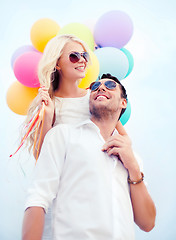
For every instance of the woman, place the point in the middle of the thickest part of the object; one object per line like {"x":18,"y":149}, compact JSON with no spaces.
{"x":62,"y":66}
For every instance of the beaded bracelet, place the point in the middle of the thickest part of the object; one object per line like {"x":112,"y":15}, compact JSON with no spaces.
{"x":136,"y":182}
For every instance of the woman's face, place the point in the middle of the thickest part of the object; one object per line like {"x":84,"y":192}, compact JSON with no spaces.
{"x":68,"y":69}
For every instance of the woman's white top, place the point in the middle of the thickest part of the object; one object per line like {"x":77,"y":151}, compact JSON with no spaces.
{"x":72,"y":110}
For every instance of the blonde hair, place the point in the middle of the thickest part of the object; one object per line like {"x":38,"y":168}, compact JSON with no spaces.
{"x":47,"y":73}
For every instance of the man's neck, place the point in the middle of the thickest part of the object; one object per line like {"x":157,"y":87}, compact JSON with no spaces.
{"x":106,"y":126}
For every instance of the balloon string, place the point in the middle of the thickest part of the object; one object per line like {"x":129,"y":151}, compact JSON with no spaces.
{"x":33,"y":121}
{"x":41,"y":119}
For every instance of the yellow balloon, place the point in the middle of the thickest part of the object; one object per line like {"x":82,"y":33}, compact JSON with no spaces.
{"x":42,"y":31}
{"x":92,"y":71}
{"x":19,"y":97}
{"x":81,"y":31}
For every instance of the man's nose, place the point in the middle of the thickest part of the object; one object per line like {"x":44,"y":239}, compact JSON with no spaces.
{"x":101,"y":87}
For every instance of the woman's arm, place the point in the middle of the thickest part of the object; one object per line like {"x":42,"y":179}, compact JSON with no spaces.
{"x":49,"y":118}
{"x":120,"y":128}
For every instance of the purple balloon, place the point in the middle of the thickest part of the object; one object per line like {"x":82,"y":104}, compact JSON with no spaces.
{"x":19,"y":51}
{"x":113,"y":29}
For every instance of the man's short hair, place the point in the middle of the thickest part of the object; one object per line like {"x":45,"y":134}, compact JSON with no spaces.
{"x":123,"y":90}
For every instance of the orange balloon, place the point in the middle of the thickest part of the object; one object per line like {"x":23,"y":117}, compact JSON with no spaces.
{"x":19,"y":97}
{"x":92,"y":71}
{"x":42,"y":31}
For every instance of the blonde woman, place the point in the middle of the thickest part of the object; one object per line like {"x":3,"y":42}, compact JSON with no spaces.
{"x":62,"y":66}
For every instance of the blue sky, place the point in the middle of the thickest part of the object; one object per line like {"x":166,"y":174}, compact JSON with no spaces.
{"x":151,"y":89}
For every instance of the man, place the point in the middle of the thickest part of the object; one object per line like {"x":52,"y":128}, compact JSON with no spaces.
{"x":91,"y":176}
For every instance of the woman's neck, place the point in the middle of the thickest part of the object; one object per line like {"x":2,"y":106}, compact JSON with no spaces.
{"x":69,"y":89}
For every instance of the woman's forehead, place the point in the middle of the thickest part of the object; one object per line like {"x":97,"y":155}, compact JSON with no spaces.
{"x":73,"y":47}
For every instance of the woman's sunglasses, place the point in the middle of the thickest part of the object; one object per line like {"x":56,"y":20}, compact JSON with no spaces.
{"x":76,"y":56}
{"x":110,"y":85}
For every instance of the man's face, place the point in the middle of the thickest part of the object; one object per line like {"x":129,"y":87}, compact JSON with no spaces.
{"x":104,"y":101}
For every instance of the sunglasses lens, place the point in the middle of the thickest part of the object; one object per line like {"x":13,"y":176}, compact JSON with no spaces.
{"x":94,"y":86}
{"x":86,"y":56}
{"x":110,"y":84}
{"x":74,"y":57}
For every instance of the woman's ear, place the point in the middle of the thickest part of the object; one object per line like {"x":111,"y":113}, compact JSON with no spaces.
{"x":58,"y":68}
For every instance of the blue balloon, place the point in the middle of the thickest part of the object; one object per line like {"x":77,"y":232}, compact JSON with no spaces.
{"x":112,"y":60}
{"x":126,"y":115}
{"x":130,"y":60}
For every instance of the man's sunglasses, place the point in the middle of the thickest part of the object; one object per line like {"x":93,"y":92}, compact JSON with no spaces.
{"x":76,"y":56}
{"x":109,"y":84}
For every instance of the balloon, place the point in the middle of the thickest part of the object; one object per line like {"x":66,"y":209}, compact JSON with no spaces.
{"x":42,"y":31}
{"x":130,"y":60}
{"x":112,"y":61}
{"x":126,"y":115}
{"x":19,"y":97}
{"x":19,"y":51}
{"x":81,"y":31}
{"x":25,"y":69}
{"x":113,"y":29}
{"x":92,"y":71}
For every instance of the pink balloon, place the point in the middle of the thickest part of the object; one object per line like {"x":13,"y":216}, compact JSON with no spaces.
{"x":113,"y":29}
{"x":19,"y":51}
{"x":25,"y":69}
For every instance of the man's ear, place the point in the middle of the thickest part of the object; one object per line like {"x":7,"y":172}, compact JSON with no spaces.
{"x":124,"y":103}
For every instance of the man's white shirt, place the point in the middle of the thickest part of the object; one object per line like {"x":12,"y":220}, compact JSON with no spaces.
{"x":88,"y":189}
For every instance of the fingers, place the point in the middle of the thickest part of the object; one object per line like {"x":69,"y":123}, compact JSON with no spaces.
{"x":113,"y":141}
{"x":43,"y":95}
{"x":113,"y":151}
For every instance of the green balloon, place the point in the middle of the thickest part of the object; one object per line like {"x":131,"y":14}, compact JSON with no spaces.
{"x":126,"y":115}
{"x":130,"y":60}
{"x":81,"y":31}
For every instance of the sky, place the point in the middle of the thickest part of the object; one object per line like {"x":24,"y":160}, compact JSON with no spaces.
{"x":150,"y":86}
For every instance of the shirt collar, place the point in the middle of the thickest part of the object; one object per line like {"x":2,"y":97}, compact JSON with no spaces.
{"x":90,"y":123}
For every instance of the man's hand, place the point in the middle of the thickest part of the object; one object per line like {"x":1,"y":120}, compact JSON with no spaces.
{"x":143,"y":206}
{"x":120,"y":146}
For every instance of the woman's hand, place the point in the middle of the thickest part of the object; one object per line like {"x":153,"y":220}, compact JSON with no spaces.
{"x":43,"y":96}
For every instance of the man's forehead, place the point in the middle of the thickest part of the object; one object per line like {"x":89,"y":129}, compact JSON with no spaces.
{"x":106,"y":79}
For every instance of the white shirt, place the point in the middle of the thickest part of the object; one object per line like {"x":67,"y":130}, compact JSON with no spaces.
{"x":88,"y":188}
{"x":69,"y":111}
{"x":72,"y":110}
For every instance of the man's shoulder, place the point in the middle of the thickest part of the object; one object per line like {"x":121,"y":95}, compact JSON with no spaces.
{"x":56,"y":132}
{"x":65,"y":129}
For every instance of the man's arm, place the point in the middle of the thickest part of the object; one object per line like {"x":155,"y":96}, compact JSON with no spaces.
{"x":143,"y":205}
{"x":44,"y":186}
{"x":33,"y":223}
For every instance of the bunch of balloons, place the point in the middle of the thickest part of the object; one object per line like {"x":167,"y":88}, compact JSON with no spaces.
{"x":111,"y":33}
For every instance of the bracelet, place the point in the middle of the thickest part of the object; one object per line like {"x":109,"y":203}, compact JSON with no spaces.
{"x":136,"y":182}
